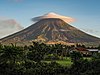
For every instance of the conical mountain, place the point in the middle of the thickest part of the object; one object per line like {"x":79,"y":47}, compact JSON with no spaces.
{"x":50,"y":30}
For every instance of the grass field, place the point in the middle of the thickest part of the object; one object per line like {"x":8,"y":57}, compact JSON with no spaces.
{"x":64,"y":62}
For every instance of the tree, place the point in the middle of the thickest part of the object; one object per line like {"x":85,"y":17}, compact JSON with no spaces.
{"x":76,"y":56}
{"x":99,"y":47}
{"x":11,"y":54}
{"x":11,"y":59}
{"x":36,"y":52}
{"x":96,"y":56}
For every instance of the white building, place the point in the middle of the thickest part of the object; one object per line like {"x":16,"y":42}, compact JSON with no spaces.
{"x":94,"y":50}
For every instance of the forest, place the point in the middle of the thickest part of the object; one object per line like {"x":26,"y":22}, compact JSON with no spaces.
{"x":33,"y":60}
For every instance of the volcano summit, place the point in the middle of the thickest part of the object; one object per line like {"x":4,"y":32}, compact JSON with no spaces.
{"x":53,"y":15}
{"x":51,"y":28}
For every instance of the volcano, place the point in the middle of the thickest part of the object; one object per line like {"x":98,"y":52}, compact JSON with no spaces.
{"x":50,"y":30}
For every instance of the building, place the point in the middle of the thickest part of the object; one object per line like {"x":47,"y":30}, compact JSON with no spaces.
{"x":94,"y":51}
{"x":84,"y":51}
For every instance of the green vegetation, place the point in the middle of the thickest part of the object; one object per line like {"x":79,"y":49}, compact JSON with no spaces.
{"x":42,"y":59}
{"x":99,"y":47}
{"x":64,"y":62}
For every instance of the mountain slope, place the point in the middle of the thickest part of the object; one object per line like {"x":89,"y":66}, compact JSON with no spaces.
{"x":51,"y":30}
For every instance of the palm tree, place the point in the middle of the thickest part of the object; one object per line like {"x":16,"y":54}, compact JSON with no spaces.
{"x":11,"y":54}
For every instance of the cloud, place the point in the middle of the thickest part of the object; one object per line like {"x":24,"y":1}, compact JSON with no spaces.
{"x":3,"y":18}
{"x":91,"y":30}
{"x":8,"y":27}
{"x":54,"y":15}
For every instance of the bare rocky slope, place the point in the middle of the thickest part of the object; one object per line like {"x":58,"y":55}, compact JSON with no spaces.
{"x":51,"y":30}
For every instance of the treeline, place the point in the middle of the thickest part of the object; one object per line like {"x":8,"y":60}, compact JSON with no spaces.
{"x":28,"y":60}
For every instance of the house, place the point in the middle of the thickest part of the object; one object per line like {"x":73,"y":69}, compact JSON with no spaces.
{"x":82,"y":50}
{"x":87,"y":52}
{"x":93,"y":51}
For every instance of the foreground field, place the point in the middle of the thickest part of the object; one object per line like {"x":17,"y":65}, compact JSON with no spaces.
{"x":64,"y":62}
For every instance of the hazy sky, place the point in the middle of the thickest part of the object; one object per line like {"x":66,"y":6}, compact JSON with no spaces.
{"x":86,"y":12}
